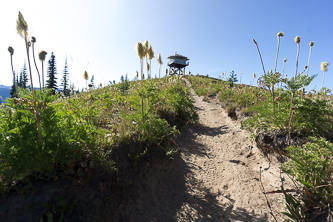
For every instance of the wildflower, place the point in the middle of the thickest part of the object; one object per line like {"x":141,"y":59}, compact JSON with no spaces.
{"x":323,"y":66}
{"x":21,"y":26}
{"x":280,"y":34}
{"x":297,"y":39}
{"x":311,"y":44}
{"x":140,"y":50}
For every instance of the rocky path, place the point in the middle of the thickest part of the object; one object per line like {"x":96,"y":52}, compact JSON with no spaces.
{"x":215,"y":176}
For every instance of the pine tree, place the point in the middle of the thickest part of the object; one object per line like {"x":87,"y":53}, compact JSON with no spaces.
{"x":13,"y":89}
{"x":24,"y":79}
{"x":232,"y":79}
{"x":64,"y":80}
{"x":20,"y":81}
{"x":17,"y":79}
{"x":92,"y":80}
{"x":51,"y":82}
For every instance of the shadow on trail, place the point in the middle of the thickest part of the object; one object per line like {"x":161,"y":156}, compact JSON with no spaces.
{"x":210,"y":131}
{"x":164,"y":191}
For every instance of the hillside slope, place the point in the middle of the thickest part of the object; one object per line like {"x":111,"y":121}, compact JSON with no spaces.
{"x":215,"y":177}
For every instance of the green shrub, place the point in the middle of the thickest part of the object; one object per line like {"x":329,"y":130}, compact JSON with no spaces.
{"x":64,"y":137}
{"x":313,"y":167}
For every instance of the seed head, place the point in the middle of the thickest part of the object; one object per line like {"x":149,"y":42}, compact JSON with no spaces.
{"x":148,"y":67}
{"x":85,"y":75}
{"x":90,"y":85}
{"x":166,"y":72}
{"x":11,"y":50}
{"x":254,"y":76}
{"x":146,"y":46}
{"x":150,"y":53}
{"x":323,"y":66}
{"x":254,"y":41}
{"x":270,"y":71}
{"x":159,"y":59}
{"x":21,"y":26}
{"x":140,"y":50}
{"x":137,"y":74}
{"x":42,"y":55}
{"x":297,"y":39}
{"x":33,"y":39}
{"x":285,"y":60}
{"x":311,"y":44}
{"x":280,"y":34}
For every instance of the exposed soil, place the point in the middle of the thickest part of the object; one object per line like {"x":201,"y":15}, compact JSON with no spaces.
{"x":215,"y":176}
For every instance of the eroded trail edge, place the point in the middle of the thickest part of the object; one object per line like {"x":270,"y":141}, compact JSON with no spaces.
{"x":214,"y":177}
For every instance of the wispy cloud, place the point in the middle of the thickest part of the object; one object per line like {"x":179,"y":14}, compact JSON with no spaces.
{"x":215,"y":70}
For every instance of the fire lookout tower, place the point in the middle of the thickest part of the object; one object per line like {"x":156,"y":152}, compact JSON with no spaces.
{"x":177,"y":63}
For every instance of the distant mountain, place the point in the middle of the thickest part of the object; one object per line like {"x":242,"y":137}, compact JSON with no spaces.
{"x":4,"y":92}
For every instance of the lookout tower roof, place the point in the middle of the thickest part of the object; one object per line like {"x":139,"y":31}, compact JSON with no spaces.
{"x":178,"y":56}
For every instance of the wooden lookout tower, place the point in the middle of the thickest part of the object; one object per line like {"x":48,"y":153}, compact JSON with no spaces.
{"x":177,"y":63}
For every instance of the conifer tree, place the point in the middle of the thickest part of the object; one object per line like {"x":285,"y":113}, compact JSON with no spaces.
{"x":13,"y":89}
{"x":92,"y":80}
{"x":20,"y":80}
{"x":51,"y":82}
{"x":24,"y":79}
{"x":64,"y":80}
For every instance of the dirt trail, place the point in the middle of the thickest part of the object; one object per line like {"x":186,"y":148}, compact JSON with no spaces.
{"x":213,"y":178}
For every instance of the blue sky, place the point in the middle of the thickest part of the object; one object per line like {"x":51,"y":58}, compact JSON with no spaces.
{"x":100,"y":36}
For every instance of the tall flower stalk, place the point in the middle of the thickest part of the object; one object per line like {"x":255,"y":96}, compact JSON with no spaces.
{"x":310,"y":44}
{"x":150,"y":56}
{"x":33,"y":40}
{"x":297,"y":41}
{"x":159,"y":60}
{"x":41,"y":56}
{"x":262,"y":63}
{"x":86,"y":77}
{"x":11,"y":52}
{"x":146,"y":48}
{"x":280,"y":34}
{"x":323,"y":67}
{"x":240,"y":77}
{"x":140,"y":49}
{"x":253,"y":77}
{"x":284,"y":64}
{"x":22,"y":30}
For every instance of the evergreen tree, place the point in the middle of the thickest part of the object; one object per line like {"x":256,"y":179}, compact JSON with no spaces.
{"x":13,"y":89}
{"x":124,"y":84}
{"x":51,"y":82}
{"x":24,"y":79}
{"x":232,"y":79}
{"x":20,"y":81}
{"x":92,"y":80}
{"x":17,"y":79}
{"x":64,"y":80}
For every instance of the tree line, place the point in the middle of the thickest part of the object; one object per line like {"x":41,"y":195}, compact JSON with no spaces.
{"x":22,"y":78}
